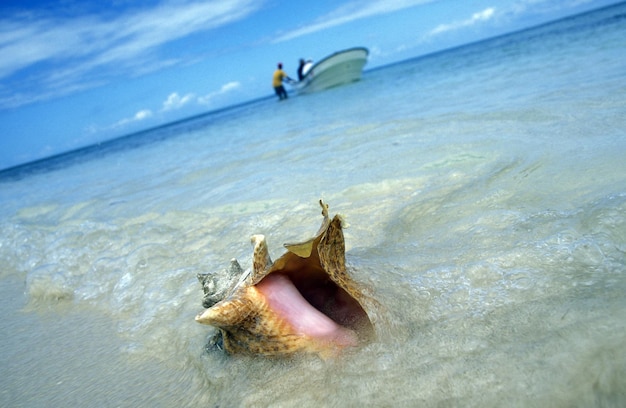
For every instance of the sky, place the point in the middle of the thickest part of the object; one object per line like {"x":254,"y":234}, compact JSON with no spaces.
{"x":74,"y":73}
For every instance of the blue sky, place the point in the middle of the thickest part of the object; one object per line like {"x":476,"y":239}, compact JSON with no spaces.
{"x":75,"y":73}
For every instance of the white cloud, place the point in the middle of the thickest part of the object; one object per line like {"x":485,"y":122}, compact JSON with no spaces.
{"x":175,"y":101}
{"x":68,"y":49}
{"x":226,"y":88}
{"x":143,"y":114}
{"x":352,"y":11}
{"x":479,"y":17}
{"x":139,"y":116}
{"x":230,"y":86}
{"x":26,"y":41}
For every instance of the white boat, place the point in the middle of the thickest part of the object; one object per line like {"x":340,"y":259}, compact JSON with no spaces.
{"x":339,"y":68}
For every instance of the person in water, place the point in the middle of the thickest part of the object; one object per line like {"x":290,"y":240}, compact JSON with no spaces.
{"x":277,"y":82}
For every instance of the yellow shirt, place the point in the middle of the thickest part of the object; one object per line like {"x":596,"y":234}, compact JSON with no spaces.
{"x":279,"y":74}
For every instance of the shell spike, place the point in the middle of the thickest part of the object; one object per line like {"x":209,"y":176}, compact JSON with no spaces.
{"x":225,"y":313}
{"x":324,"y":208}
{"x":261,"y":261}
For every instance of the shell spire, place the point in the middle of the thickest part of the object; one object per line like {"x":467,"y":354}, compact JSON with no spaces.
{"x":261,"y":260}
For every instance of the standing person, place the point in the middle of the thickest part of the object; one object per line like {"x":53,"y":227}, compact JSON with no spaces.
{"x":277,"y":82}
{"x":300,"y":69}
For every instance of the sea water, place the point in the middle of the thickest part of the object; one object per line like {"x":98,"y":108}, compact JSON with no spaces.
{"x":485,"y":188}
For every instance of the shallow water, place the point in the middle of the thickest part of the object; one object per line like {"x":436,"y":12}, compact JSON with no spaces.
{"x":485,"y":189}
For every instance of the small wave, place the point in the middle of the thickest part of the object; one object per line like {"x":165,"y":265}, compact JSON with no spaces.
{"x":48,"y":283}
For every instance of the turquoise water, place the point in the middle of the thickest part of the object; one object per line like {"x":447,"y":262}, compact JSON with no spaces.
{"x":485,"y":188}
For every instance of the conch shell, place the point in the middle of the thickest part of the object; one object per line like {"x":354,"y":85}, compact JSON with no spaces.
{"x":305,"y":302}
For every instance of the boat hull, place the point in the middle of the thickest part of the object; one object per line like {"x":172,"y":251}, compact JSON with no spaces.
{"x":337,"y":69}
